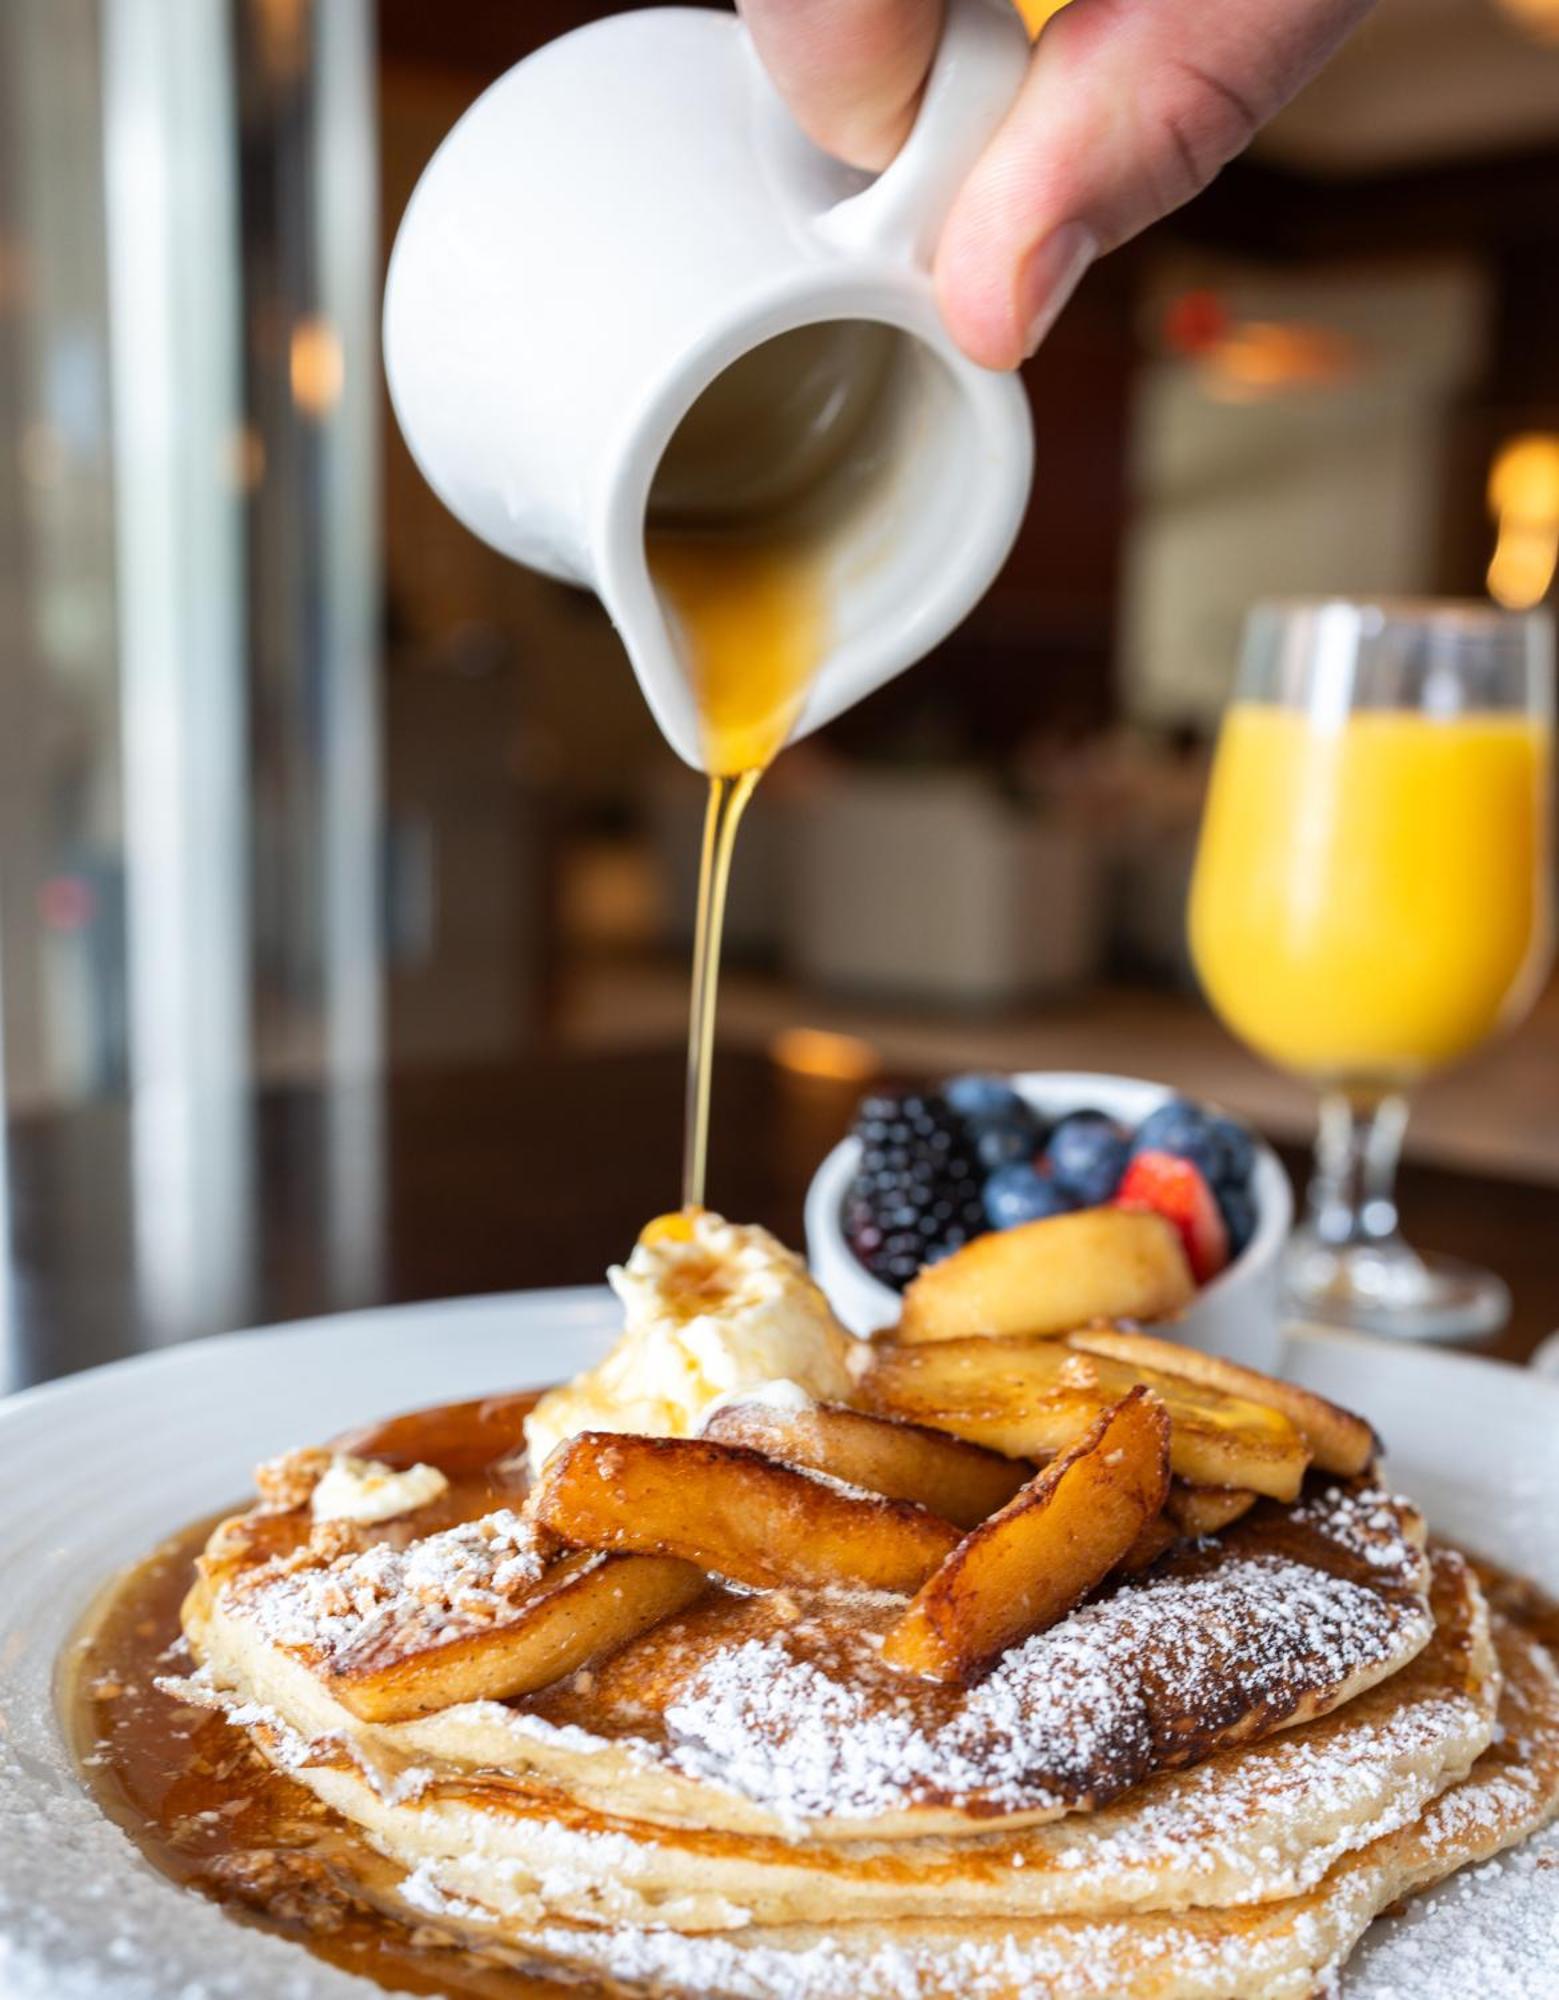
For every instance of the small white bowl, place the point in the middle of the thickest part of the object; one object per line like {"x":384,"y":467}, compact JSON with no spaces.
{"x":1236,"y":1315}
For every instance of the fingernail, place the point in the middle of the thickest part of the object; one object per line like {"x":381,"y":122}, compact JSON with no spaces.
{"x":1049,"y":278}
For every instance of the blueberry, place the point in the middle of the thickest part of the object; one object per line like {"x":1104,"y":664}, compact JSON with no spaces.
{"x":1238,"y":1208}
{"x":986,"y":1099}
{"x":1239,"y":1151}
{"x":1022,"y":1194}
{"x":1087,"y":1156}
{"x":1004,"y":1140}
{"x":1187,"y":1131}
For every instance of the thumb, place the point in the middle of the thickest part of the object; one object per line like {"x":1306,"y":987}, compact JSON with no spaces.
{"x":1128,"y":110}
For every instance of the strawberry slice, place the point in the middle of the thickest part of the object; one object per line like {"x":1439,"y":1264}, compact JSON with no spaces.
{"x":1178,"y":1190}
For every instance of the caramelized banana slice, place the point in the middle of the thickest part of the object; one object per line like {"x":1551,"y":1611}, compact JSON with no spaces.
{"x":1028,"y":1396}
{"x":1052,"y":1275}
{"x":1339,"y":1441}
{"x":584,"y":1608}
{"x":1203,"y":1510}
{"x":1062,"y":1534}
{"x":735,"y":1512}
{"x":961,"y":1482}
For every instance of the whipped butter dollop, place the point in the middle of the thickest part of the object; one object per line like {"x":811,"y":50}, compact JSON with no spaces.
{"x":710,"y":1307}
{"x":366,"y":1490}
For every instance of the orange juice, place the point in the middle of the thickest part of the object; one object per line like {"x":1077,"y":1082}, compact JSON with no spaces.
{"x":1371,"y":897}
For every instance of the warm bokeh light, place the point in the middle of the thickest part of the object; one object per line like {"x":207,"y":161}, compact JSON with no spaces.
{"x":245,"y":458}
{"x":1524,"y":501}
{"x":1260,"y":358}
{"x":1250,"y":360}
{"x":1195,"y":321}
{"x":318,"y":367}
{"x":284,"y":35}
{"x":1538,"y":17}
{"x":817,"y":1052}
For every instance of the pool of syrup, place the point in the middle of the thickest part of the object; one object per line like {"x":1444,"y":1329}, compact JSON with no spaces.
{"x":201,"y":1803}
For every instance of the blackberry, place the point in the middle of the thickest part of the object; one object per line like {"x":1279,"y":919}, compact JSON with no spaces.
{"x":917,"y":1190}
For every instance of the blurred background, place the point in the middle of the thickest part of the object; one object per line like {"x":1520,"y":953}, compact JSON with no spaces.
{"x":303,"y":788}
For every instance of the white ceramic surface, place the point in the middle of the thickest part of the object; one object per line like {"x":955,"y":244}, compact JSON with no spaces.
{"x":95,"y":1470}
{"x":1236,"y":1315}
{"x":616,"y":221}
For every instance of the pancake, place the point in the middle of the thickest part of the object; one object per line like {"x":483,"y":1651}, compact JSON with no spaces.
{"x":773,"y":1714}
{"x":1249,"y":1824}
{"x":1276,"y":1950}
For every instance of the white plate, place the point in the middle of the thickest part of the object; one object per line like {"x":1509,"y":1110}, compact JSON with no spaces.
{"x":95,"y":1470}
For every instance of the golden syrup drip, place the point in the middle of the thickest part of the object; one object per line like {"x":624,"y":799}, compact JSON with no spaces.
{"x":728,"y":798}
{"x":750,"y":607}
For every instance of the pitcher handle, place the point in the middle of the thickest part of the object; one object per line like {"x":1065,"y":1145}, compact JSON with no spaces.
{"x":974,"y":78}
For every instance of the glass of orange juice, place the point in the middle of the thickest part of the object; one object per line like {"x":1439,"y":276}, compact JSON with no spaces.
{"x":1372,"y":901}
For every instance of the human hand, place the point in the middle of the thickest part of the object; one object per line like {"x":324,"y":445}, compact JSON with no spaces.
{"x":1129,"y":108}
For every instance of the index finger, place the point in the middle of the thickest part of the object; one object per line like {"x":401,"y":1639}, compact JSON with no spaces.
{"x":850,"y":70}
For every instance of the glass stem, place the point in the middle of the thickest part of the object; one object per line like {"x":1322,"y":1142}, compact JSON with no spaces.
{"x":1353,"y":1192}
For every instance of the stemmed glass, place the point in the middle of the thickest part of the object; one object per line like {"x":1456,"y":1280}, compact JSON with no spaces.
{"x":1372,"y":900}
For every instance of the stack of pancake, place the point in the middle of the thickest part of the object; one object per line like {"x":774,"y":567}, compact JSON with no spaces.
{"x":1206,"y":1780}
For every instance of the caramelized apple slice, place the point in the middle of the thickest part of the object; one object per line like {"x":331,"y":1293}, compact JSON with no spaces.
{"x":1052,"y":1275}
{"x":1203,"y":1510}
{"x":585,"y":1607}
{"x":1339,"y":1441}
{"x":961,"y":1482}
{"x":461,"y":1439}
{"x":1026,"y":1567}
{"x":1029,"y":1396}
{"x":248,"y":1541}
{"x":734,"y":1511}
{"x":1153,"y":1538}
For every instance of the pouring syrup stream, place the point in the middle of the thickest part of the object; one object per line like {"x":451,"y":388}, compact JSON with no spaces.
{"x":751,"y":611}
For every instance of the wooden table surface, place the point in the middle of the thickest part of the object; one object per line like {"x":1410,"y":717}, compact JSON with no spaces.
{"x":540,"y":1172}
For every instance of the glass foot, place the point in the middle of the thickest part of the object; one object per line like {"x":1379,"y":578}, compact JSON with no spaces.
{"x":1386,"y":1288}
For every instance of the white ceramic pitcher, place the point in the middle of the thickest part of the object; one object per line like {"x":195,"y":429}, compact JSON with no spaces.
{"x":618,"y":220}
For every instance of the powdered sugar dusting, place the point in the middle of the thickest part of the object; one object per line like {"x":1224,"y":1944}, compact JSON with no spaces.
{"x":285,"y":1747}
{"x":344,"y":1609}
{"x":1074,"y":1715}
{"x":1369,"y":1524}
{"x":1499,"y":1920}
{"x":1088,"y":1960}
